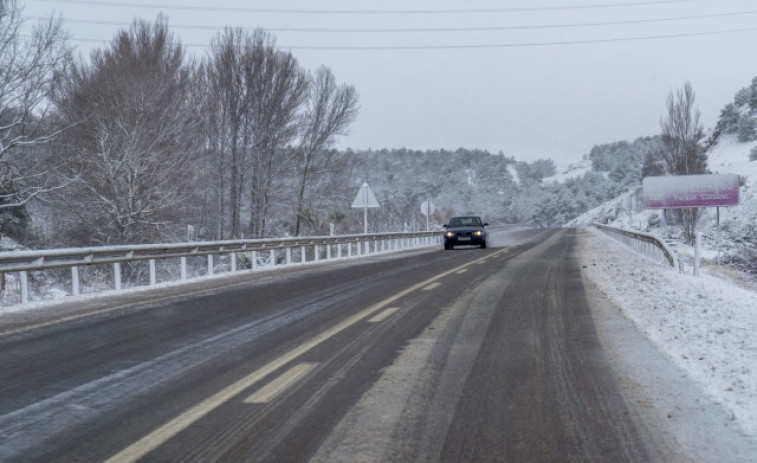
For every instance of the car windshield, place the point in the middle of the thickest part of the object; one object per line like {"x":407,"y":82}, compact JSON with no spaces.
{"x":465,"y":222}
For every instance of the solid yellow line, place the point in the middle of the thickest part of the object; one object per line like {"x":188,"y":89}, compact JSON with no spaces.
{"x":280,"y":384}
{"x":165,"y":432}
{"x":384,"y":315}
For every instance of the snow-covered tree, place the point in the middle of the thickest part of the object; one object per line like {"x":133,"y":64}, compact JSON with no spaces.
{"x":743,"y":97}
{"x":729,"y":119}
{"x":257,"y":93}
{"x":329,"y":110}
{"x":747,"y":129}
{"x":134,"y":138}
{"x":30,"y":57}
{"x":681,"y":150}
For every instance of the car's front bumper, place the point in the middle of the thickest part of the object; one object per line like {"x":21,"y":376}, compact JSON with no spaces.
{"x":464,"y":238}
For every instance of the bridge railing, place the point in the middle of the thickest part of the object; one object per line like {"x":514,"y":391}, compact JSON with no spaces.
{"x":253,"y":254}
{"x":646,"y":244}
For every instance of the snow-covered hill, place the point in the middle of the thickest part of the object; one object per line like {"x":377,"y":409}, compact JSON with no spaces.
{"x":738,"y":225}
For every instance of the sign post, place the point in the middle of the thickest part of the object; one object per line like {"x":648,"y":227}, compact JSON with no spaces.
{"x":427,"y":208}
{"x":365,"y":199}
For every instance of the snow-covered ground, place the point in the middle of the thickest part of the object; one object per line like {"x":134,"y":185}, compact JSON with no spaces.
{"x":572,"y":171}
{"x":706,"y":325}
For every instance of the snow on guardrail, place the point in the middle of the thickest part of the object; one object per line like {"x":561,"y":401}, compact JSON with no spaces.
{"x":253,"y":254}
{"x":649,"y":245}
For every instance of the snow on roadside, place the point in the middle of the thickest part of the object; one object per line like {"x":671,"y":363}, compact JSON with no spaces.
{"x":705,"y":325}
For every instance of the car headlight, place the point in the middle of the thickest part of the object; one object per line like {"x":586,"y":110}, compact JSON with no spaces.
{"x":479,"y":233}
{"x":449,"y":234}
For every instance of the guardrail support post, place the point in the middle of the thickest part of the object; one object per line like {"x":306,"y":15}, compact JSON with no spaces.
{"x":74,"y":281}
{"x":183,"y":268}
{"x":316,"y":257}
{"x":153,"y":279}
{"x":24,"y":282}
{"x":273,"y":257}
{"x":233,"y":262}
{"x":339,"y":251}
{"x":117,"y":275}
{"x":210,"y":264}
{"x":288,"y":255}
{"x":328,"y":252}
{"x":303,"y":256}
{"x":254,"y":260}
{"x":349,"y":249}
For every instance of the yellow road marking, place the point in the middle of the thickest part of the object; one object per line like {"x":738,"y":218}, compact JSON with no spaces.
{"x":280,"y":384}
{"x":460,"y":272}
{"x":384,"y":315}
{"x":432,"y":286}
{"x":170,"y":429}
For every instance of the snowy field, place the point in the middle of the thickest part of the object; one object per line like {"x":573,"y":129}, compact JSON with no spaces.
{"x":705,"y":325}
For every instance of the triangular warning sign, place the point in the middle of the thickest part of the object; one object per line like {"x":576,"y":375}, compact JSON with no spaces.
{"x":365,"y":198}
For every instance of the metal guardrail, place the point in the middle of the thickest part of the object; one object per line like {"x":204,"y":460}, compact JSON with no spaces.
{"x":318,"y":247}
{"x":646,"y":244}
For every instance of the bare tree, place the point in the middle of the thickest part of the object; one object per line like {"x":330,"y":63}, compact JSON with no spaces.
{"x":681,"y":150}
{"x":135,"y":141}
{"x":256,"y":93}
{"x":277,"y":89}
{"x":330,"y":109}
{"x":29,"y":60}
{"x":228,"y":111}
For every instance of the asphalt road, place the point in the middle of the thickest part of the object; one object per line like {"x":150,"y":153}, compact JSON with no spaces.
{"x":464,"y":355}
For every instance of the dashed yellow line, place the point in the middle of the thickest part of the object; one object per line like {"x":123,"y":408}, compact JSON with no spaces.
{"x":384,"y":315}
{"x":280,"y":384}
{"x":170,"y":429}
{"x":432,"y":286}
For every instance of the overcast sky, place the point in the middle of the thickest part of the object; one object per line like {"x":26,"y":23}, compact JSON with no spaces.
{"x":529,"y":78}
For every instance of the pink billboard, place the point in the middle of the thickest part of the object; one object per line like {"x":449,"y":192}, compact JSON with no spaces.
{"x":679,"y":191}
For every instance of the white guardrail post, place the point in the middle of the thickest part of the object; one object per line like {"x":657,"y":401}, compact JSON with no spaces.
{"x":23,"y":262}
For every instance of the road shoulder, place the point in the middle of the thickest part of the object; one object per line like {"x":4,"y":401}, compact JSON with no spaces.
{"x":684,"y":423}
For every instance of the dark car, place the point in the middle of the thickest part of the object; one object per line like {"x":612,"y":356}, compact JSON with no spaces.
{"x":469,"y":230}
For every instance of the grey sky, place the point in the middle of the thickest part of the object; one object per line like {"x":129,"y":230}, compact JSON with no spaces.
{"x":498,"y":88}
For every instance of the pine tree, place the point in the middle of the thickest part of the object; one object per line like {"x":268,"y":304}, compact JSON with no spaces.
{"x":729,"y":119}
{"x":747,"y":129}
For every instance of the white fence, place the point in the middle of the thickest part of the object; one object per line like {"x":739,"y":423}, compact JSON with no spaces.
{"x":239,"y":254}
{"x":646,"y":244}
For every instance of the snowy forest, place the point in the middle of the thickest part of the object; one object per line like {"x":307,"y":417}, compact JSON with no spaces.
{"x":141,"y":143}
